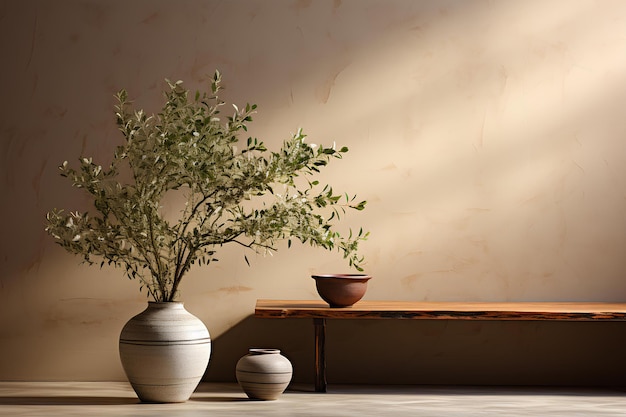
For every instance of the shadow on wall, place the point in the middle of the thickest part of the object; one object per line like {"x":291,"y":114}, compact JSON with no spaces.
{"x":293,"y":337}
{"x":436,"y":352}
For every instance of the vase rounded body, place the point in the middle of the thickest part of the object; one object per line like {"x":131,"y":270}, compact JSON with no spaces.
{"x":164,"y":351}
{"x":264,"y":374}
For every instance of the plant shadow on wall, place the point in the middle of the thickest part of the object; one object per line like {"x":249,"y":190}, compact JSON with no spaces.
{"x":232,"y":193}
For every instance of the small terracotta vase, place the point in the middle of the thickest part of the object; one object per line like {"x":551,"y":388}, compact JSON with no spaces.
{"x":341,"y":290}
{"x":264,"y":374}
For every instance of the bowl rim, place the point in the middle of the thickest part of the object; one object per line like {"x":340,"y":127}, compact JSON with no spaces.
{"x":361,"y":277}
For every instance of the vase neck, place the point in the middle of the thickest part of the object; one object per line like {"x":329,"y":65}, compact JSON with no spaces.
{"x":165,"y":304}
{"x":258,"y":351}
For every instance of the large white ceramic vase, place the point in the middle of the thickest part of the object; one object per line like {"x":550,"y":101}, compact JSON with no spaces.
{"x":165,"y":351}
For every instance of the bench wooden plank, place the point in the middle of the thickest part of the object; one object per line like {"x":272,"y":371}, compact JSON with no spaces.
{"x":430,"y":310}
{"x":434,"y":310}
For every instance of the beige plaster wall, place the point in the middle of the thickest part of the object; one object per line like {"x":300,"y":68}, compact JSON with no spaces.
{"x":488,"y":137}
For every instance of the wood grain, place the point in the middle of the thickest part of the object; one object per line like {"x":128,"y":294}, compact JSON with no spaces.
{"x":320,"y":354}
{"x":431,"y":310}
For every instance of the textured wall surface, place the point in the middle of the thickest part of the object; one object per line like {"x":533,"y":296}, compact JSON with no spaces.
{"x":489,"y":139}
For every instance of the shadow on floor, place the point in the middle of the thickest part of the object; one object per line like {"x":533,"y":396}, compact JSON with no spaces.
{"x":69,"y":400}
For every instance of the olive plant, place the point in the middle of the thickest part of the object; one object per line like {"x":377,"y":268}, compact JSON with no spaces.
{"x":233,"y":192}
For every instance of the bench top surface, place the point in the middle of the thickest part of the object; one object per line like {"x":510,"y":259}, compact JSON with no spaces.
{"x":365,"y":309}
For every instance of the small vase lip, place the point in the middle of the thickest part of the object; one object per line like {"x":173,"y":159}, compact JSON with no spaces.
{"x":359,"y":277}
{"x":263,"y":351}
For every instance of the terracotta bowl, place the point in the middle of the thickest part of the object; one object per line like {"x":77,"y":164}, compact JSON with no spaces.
{"x":341,"y":290}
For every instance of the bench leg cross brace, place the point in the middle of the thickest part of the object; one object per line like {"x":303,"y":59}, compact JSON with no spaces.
{"x":320,"y":354}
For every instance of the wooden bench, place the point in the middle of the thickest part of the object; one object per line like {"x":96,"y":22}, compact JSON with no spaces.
{"x":320,"y":311}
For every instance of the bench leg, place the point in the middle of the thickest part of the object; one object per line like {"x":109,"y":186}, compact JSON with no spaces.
{"x":320,"y":354}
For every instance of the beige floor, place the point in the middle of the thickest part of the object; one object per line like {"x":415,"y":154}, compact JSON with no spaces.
{"x":117,"y":399}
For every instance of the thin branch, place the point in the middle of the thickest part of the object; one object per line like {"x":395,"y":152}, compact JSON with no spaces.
{"x":156,"y":253}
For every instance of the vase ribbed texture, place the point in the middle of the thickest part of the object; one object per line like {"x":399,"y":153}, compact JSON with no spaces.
{"x":165,"y":351}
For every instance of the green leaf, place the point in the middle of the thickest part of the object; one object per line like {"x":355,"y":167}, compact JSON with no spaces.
{"x":230,"y":195}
